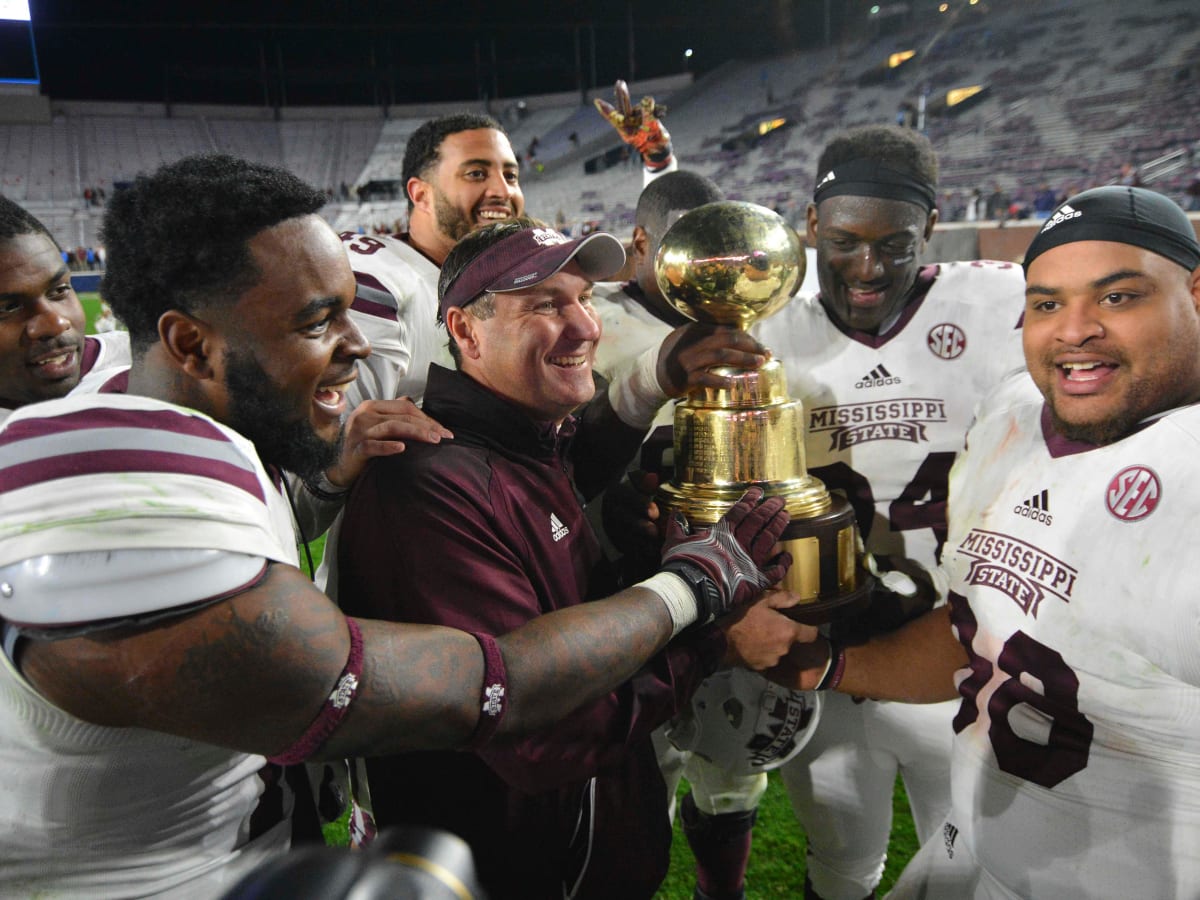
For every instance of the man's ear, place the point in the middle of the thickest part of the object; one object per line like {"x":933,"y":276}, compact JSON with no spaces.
{"x":420,"y":193}
{"x":640,"y":245}
{"x":933,"y":217}
{"x":188,"y":342}
{"x":461,"y":325}
{"x":810,"y":218}
{"x":1195,"y":287}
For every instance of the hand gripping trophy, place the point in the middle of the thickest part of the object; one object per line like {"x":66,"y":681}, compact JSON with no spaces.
{"x":733,"y":263}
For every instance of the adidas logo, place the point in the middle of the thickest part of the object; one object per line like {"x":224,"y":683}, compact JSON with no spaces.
{"x":877,"y":377}
{"x":1064,"y":213}
{"x":558,"y":530}
{"x":949,"y":835}
{"x":1036,"y":508}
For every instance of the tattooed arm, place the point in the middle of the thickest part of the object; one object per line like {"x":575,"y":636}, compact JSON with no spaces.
{"x":250,"y":672}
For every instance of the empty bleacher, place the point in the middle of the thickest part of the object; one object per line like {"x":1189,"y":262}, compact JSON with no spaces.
{"x":1067,"y":105}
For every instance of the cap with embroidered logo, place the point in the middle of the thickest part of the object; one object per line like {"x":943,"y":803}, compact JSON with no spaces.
{"x":528,"y":257}
{"x":1124,"y":215}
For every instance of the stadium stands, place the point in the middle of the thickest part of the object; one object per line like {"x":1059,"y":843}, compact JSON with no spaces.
{"x":1066,"y":104}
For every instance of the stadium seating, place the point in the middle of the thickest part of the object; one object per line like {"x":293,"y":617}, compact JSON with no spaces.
{"x":1066,"y":105}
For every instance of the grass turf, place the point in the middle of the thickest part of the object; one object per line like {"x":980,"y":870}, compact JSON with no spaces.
{"x":777,"y":860}
{"x":91,"y":308}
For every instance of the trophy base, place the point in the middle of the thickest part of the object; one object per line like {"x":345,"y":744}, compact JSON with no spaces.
{"x":822,"y":538}
{"x":825,"y":569}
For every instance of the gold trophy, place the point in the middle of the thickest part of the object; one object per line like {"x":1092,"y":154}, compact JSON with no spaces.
{"x":733,"y":263}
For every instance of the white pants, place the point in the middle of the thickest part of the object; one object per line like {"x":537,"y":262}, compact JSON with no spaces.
{"x":841,"y":786}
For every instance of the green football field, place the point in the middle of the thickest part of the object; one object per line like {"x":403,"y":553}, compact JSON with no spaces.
{"x":91,"y":306}
{"x":777,"y":862}
{"x":777,"y":859}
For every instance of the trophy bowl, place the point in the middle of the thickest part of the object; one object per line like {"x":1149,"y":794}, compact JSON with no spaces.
{"x":730,"y":263}
{"x":734,"y":263}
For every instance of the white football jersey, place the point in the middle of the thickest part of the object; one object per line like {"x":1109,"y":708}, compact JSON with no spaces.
{"x":886,"y":414}
{"x":112,"y":355}
{"x":396,"y":307}
{"x":628,"y":328}
{"x":122,"y":812}
{"x":1076,"y":770}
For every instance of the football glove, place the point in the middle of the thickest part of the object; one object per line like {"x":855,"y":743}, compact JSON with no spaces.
{"x":731,"y":562}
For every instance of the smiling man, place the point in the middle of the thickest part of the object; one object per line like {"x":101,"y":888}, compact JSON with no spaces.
{"x":890,"y":358}
{"x":1082,"y":334}
{"x":158,"y":641}
{"x":43,"y":351}
{"x":490,"y":530}
{"x":459,"y":172}
{"x":1070,"y":635}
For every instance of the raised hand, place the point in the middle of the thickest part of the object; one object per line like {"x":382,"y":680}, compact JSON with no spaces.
{"x":639,"y":126}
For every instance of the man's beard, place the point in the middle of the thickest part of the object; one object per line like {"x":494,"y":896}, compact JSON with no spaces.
{"x":1095,"y":433}
{"x":257,"y":411}
{"x":451,"y":222}
{"x":1144,"y":400}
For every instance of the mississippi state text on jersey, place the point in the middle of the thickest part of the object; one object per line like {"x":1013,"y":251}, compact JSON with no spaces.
{"x":1076,"y":770}
{"x":885,"y":414}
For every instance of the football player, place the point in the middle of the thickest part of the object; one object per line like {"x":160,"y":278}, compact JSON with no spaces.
{"x":1071,"y":628}
{"x":889,"y":357}
{"x":159,"y":641}
{"x":44,"y":353}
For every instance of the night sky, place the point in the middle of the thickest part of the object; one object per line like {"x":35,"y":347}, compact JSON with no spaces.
{"x":396,"y":52}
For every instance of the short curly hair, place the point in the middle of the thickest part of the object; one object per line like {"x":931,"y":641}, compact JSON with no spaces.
{"x":423,"y":150}
{"x":178,"y":238}
{"x":15,"y":221}
{"x":899,"y":148}
{"x":674,"y":192}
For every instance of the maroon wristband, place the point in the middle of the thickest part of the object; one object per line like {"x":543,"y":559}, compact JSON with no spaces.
{"x":335,"y":708}
{"x":494,"y":694}
{"x":834,"y":676}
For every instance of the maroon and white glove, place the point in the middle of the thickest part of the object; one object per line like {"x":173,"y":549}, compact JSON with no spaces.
{"x":731,"y":562}
{"x":640,"y":127}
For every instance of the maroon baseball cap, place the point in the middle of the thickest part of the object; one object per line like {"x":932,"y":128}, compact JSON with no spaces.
{"x":528,"y":257}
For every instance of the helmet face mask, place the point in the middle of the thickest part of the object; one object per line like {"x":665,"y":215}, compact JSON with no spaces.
{"x":744,"y":724}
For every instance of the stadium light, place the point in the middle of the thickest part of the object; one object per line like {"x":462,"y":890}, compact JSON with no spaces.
{"x":18,"y":53}
{"x":687,"y":54}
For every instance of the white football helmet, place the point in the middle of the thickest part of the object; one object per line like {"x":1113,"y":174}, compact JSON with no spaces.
{"x":744,"y":724}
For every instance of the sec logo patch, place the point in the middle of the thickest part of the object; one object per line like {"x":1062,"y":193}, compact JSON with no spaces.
{"x":1133,"y":493}
{"x":946,"y":341}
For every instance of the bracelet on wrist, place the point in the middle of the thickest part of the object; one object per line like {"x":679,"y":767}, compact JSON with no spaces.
{"x":323,"y":489}
{"x":834,"y":669}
